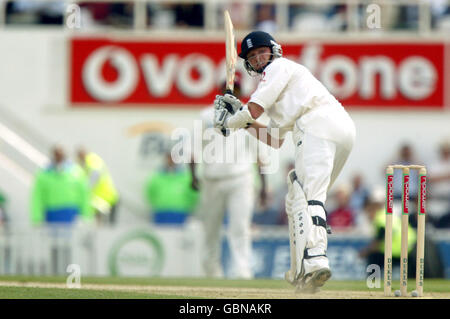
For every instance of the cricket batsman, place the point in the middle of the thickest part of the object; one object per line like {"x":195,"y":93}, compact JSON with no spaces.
{"x":323,"y":134}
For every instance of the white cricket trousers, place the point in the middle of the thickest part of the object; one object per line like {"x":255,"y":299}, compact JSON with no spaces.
{"x":318,"y":162}
{"x":234,"y":195}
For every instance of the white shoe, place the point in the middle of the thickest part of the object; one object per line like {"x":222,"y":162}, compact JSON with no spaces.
{"x":311,"y":282}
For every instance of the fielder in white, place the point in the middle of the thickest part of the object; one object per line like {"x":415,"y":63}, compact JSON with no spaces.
{"x":323,"y":134}
{"x":226,"y":185}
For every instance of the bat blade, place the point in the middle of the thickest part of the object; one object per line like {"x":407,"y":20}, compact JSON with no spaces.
{"x":231,"y":58}
{"x":231,"y":54}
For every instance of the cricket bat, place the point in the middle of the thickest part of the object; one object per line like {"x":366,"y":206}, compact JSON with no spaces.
{"x":231,"y":56}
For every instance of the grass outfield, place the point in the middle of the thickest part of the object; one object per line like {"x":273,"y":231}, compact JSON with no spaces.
{"x":19,"y":287}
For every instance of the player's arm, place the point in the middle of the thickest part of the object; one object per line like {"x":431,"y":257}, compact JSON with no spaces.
{"x":244,"y":117}
{"x":255,"y":110}
{"x":260,"y":131}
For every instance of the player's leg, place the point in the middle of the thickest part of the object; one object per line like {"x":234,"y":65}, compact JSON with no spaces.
{"x":299,"y":226}
{"x":314,"y":158}
{"x":240,"y":206}
{"x":318,"y":163}
{"x":342,"y":154}
{"x":290,"y":274}
{"x":212,"y":210}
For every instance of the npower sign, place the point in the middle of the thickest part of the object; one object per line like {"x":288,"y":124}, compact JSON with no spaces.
{"x":185,"y":73}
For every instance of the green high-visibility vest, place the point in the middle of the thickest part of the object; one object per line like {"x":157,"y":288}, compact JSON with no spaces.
{"x":58,"y":189}
{"x":171,"y":191}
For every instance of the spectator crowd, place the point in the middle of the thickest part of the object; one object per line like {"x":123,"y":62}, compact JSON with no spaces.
{"x":245,"y":15}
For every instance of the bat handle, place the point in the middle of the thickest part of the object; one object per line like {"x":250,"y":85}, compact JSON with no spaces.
{"x":225,"y":132}
{"x":228,"y":105}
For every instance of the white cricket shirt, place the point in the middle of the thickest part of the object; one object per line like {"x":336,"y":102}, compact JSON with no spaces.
{"x":290,"y":93}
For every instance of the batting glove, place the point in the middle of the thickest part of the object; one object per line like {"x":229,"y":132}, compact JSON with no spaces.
{"x":219,"y":103}
{"x":235,"y":103}
{"x":241,"y":119}
{"x":220,"y":113}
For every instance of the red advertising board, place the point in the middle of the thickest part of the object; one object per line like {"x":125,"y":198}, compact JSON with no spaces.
{"x":186,"y":73}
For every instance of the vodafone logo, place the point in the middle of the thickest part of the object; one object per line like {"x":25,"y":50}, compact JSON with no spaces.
{"x":390,"y":194}
{"x":405,"y":194}
{"x":193,"y":75}
{"x":415,"y":77}
{"x":423,"y":193}
{"x":125,"y":66}
{"x":158,"y":79}
{"x":184,"y":72}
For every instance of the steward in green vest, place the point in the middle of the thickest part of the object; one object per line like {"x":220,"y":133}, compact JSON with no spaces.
{"x":59,"y":193}
{"x":170,"y":195}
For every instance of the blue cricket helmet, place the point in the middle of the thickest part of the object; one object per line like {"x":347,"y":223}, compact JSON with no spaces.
{"x":257,"y":39}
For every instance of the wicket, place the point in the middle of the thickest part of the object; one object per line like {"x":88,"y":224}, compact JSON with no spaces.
{"x":421,"y":199}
